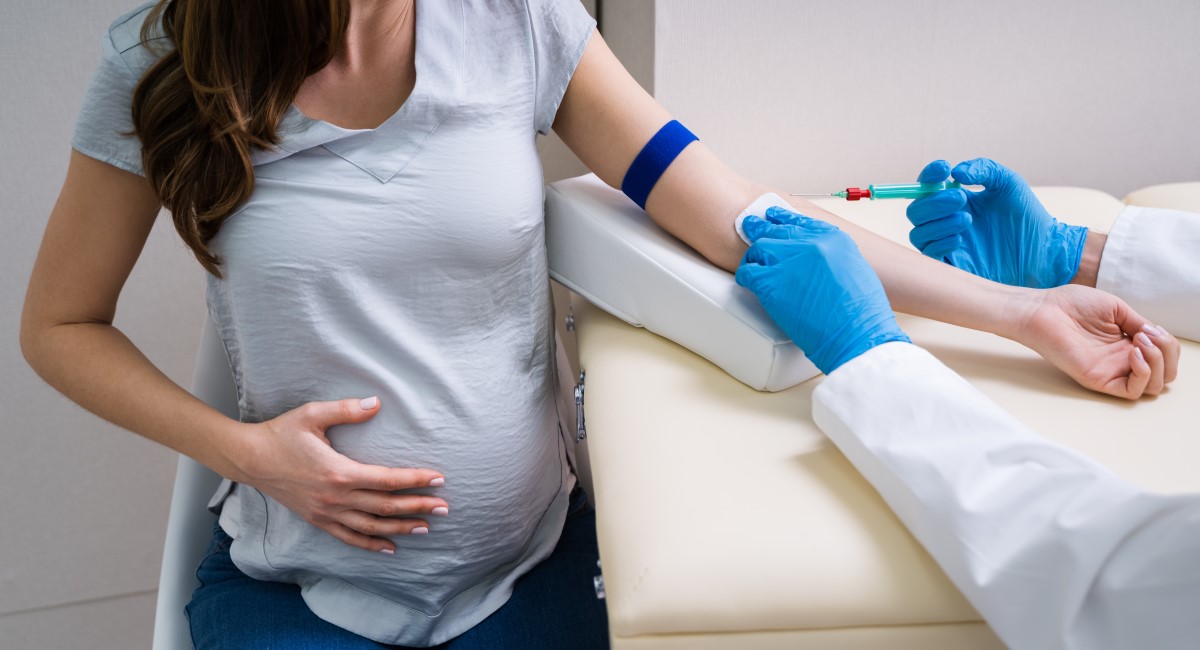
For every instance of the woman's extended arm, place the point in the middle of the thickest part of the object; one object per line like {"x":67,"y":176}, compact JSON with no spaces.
{"x":95,"y":235}
{"x":606,"y":118}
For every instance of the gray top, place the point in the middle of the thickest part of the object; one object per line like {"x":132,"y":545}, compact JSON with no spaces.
{"x":408,"y":262}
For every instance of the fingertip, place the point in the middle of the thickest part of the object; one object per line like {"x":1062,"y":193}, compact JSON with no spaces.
{"x":369,"y":403}
{"x":437,"y":481}
{"x":779,"y":215}
{"x":935,"y":206}
{"x":754,"y":227}
{"x":978,"y":171}
{"x":943,"y":248}
{"x":968,"y":171}
{"x":739,"y":275}
{"x":1139,"y":373}
{"x":819,"y":226}
{"x":935,"y":172}
{"x":744,"y":275}
{"x":918,"y":242}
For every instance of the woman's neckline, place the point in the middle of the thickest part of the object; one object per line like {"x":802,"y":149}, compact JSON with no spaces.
{"x":402,"y":108}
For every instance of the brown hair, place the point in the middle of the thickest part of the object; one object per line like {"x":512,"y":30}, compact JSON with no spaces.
{"x":235,"y":69}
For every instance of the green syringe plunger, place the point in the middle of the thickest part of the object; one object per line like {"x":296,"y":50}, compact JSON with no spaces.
{"x":895,"y":191}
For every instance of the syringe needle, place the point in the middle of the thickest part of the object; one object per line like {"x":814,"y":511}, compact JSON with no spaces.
{"x":798,"y":194}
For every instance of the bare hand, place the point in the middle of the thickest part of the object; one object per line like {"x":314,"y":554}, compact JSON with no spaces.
{"x":292,"y":461}
{"x":1099,"y":341}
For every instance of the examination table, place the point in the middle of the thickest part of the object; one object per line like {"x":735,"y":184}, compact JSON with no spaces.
{"x":725,"y":517}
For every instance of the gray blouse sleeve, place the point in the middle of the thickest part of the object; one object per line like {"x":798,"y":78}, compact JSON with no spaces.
{"x":561,"y":30}
{"x":105,"y":125}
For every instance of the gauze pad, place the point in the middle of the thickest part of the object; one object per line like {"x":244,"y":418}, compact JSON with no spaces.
{"x":758,"y":208}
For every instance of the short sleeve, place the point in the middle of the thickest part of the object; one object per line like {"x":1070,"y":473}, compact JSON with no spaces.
{"x":561,"y":30}
{"x":104,"y":129}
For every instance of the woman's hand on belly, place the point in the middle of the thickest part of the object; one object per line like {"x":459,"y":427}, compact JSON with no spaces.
{"x":289,"y":458}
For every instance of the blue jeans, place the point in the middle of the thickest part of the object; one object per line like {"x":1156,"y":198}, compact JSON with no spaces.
{"x":553,"y":606}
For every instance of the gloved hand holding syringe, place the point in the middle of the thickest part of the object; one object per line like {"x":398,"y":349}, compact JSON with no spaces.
{"x":897,"y":191}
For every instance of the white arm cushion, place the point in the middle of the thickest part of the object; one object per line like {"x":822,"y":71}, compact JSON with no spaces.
{"x":605,"y":248}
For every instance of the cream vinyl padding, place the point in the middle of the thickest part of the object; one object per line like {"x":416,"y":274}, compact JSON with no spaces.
{"x":727,"y":520}
{"x":1176,"y":196}
{"x":605,"y":248}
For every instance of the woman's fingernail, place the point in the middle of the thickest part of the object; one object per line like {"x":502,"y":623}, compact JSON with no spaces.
{"x":420,"y":530}
{"x":387,"y":551}
{"x":1151,"y":330}
{"x":1161,"y":331}
{"x":437,"y":482}
{"x":1143,"y":339}
{"x":1138,"y":353}
{"x":369,"y":403}
{"x":441,"y":511}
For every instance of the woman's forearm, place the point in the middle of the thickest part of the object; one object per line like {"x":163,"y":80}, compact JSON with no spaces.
{"x":698,"y":198}
{"x":99,"y":368}
{"x":925,"y":287}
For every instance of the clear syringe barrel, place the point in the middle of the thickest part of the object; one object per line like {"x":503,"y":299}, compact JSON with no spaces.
{"x":909,"y":190}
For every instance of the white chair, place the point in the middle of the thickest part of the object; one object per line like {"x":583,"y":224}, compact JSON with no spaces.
{"x":189,"y":526}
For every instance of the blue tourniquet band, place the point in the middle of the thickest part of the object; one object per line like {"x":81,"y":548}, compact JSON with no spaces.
{"x":653,"y":160}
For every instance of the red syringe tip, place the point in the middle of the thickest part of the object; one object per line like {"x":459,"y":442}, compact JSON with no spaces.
{"x":856,"y":193}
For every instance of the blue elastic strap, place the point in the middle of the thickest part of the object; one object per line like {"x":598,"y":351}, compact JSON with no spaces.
{"x":653,"y":160}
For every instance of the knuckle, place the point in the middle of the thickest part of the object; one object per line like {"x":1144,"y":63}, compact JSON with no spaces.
{"x":387,"y":482}
{"x":337,"y":479}
{"x":388,"y":509}
{"x":395,"y":481}
{"x":310,"y":410}
{"x":326,"y":500}
{"x":369,"y":528}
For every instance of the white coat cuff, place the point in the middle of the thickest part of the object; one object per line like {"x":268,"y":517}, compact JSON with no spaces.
{"x":1150,"y":262}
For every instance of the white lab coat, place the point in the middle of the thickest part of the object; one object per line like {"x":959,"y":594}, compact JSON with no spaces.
{"x":1051,"y":548}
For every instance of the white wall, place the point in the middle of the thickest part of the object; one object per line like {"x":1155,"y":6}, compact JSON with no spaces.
{"x":815,"y":95}
{"x":83,"y":503}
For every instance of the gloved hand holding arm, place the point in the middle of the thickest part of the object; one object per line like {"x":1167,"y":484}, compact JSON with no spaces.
{"x":815,"y":284}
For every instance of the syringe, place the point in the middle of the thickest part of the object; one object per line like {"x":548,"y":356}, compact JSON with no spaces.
{"x":900,"y":191}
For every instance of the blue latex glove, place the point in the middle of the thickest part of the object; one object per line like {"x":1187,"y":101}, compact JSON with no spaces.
{"x":1001,"y":233}
{"x":816,"y":285}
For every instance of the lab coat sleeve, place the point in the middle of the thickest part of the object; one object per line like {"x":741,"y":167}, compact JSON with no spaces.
{"x":1152,"y":262}
{"x":1052,"y":549}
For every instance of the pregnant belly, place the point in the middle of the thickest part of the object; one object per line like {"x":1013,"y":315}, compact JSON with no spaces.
{"x":499,"y":488}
